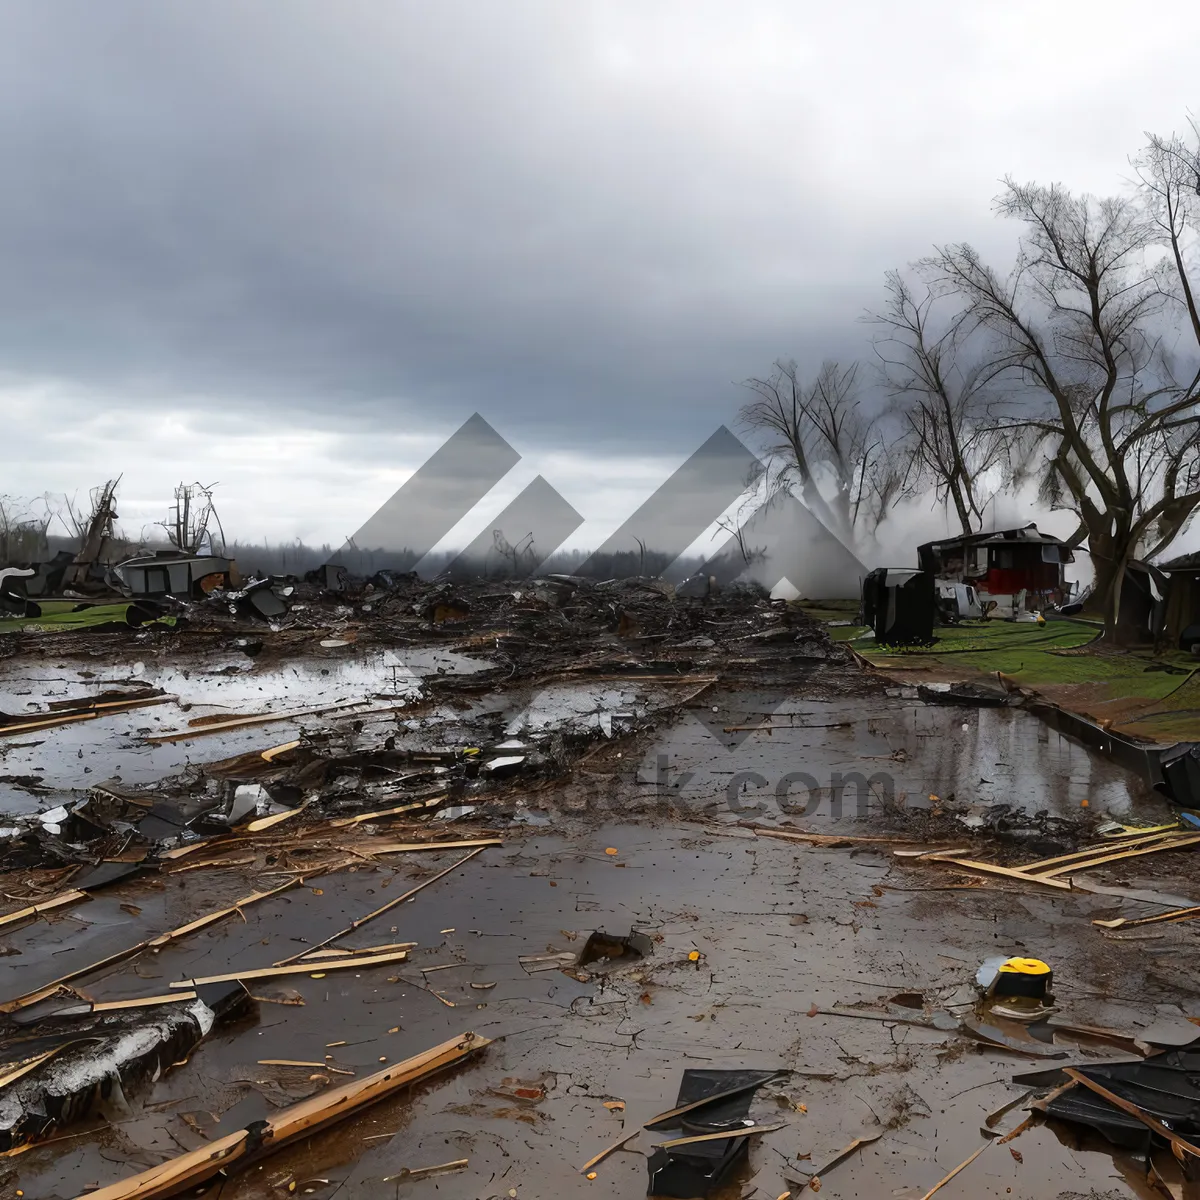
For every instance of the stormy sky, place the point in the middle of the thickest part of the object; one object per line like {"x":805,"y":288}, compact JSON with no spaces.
{"x":292,"y":246}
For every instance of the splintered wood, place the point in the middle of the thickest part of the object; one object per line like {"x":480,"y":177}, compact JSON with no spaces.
{"x":246,"y":1145}
{"x":1048,"y":872}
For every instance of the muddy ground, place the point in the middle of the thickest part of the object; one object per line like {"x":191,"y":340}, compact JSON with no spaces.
{"x":649,"y":829}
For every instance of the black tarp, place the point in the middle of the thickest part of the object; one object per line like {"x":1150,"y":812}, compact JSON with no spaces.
{"x":701,"y":1168}
{"x":1165,"y":1087}
{"x":900,"y":606}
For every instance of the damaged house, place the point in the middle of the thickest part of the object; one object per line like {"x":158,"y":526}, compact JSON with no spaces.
{"x":171,"y":573}
{"x":1010,"y":569}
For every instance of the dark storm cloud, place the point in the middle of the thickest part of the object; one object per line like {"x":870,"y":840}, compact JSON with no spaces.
{"x":346,"y":205}
{"x":583,"y":219}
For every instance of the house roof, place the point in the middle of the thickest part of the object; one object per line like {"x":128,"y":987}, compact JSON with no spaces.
{"x":166,"y":558}
{"x":1029,"y":535}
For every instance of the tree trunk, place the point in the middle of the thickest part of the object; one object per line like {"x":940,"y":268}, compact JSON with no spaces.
{"x":960,"y":506}
{"x":1109,"y":558}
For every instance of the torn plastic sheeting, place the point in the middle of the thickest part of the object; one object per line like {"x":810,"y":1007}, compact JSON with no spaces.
{"x":616,"y":951}
{"x":700,"y":1168}
{"x":107,"y":873}
{"x":1164,"y":1087}
{"x":114,"y":1058}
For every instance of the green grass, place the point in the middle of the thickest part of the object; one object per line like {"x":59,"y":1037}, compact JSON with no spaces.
{"x":1164,"y":687}
{"x":63,"y":620}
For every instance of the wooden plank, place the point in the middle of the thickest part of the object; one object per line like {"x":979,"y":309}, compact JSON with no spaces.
{"x":597,"y":1159}
{"x":962,"y":1166}
{"x":198,"y":731}
{"x":341,"y":933}
{"x":1178,"y":914}
{"x":334,"y":1104}
{"x":262,"y":823}
{"x":814,"y":1180}
{"x":120,"y":956}
{"x":182,"y":851}
{"x":34,"y":727}
{"x":1007,"y":872}
{"x":1093,"y":851}
{"x":141,"y":1002}
{"x":275,"y":751}
{"x":35,"y":910}
{"x":343,"y":822}
{"x":316,"y":956}
{"x":1173,"y":844}
{"x":722,"y":1135}
{"x":413,"y":847}
{"x":308,"y":968}
{"x":833,"y":839}
{"x":31,"y":1064}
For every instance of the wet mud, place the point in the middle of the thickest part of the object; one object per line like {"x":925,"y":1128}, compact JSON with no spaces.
{"x":753,"y":953}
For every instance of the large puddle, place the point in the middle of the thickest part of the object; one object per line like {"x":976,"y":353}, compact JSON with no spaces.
{"x":719,"y":758}
{"x":68,"y":759}
{"x":749,"y":935}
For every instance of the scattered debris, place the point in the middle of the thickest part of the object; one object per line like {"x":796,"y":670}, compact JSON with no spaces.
{"x":813,"y":1182}
{"x":238,"y":1150}
{"x":712,"y":1110}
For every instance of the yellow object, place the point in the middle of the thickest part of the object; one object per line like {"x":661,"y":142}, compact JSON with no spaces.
{"x":611,"y":850}
{"x":591,"y":1174}
{"x":1025,"y":966}
{"x":694,"y":956}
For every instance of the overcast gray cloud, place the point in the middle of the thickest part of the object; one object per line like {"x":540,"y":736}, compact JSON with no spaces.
{"x":584,"y":220}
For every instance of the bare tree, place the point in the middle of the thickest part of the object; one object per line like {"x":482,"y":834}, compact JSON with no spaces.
{"x":941,"y":396}
{"x":1077,"y":325}
{"x":518,"y":559}
{"x":95,"y":531}
{"x":188,"y":525}
{"x":821,"y":440}
{"x":23,"y":529}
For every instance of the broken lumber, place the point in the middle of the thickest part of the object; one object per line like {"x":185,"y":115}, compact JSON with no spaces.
{"x":720,"y":1135}
{"x":247,"y":1145}
{"x":962,"y":1166}
{"x":413,"y":847}
{"x":154,"y":943}
{"x":597,"y":1159}
{"x":833,"y":839}
{"x":1177,"y":914}
{"x":275,"y":751}
{"x":341,"y":933}
{"x":49,"y":720}
{"x":332,"y":964}
{"x":1008,"y":872}
{"x":197,"y":731}
{"x":140,"y":1002}
{"x":35,"y":726}
{"x":1180,"y":1145}
{"x":35,"y":910}
{"x":1170,"y":844}
{"x":342,"y":822}
{"x":814,"y":1180}
{"x":30,"y":1064}
{"x":257,"y":826}
{"x":1096,"y":851}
